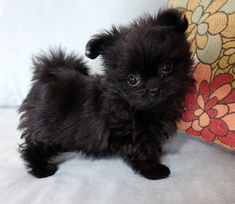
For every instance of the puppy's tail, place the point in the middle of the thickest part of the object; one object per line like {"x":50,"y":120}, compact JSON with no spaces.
{"x":57,"y":65}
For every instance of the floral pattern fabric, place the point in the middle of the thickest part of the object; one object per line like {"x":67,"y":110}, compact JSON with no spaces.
{"x":210,"y":107}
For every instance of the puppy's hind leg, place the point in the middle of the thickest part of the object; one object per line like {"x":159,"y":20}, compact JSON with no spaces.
{"x":38,"y":158}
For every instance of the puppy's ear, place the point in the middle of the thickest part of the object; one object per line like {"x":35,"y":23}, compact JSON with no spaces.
{"x":173,"y":18}
{"x":99,"y":43}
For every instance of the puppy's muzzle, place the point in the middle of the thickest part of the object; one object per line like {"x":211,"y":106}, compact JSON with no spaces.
{"x":154,"y":91}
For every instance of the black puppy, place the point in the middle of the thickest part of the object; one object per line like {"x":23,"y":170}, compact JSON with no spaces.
{"x":129,"y":111}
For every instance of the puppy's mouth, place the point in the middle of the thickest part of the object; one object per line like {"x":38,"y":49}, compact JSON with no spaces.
{"x":145,"y":101}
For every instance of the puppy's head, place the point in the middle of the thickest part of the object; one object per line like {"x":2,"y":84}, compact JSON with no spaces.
{"x":148,"y":62}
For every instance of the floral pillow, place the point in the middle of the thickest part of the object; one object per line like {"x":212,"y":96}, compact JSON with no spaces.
{"x":210,"y":107}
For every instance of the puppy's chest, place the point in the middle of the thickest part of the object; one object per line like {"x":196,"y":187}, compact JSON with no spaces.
{"x":121,"y":123}
{"x":126,"y":124}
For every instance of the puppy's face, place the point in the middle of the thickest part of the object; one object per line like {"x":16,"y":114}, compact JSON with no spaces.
{"x":147,"y":63}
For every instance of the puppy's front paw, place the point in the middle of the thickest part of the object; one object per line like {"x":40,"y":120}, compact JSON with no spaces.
{"x":158,"y":171}
{"x":44,"y":172}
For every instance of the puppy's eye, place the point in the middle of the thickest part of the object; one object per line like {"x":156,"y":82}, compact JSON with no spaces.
{"x":133,"y":80}
{"x":166,"y":67}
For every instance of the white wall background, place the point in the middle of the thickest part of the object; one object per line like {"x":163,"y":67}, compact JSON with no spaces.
{"x":28,"y":26}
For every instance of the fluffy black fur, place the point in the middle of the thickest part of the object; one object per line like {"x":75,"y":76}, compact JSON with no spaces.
{"x":129,"y":111}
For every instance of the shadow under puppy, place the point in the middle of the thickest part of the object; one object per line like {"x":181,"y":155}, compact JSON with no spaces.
{"x":129,"y":111}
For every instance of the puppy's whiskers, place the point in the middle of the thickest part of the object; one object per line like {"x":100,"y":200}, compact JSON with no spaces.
{"x":141,"y":91}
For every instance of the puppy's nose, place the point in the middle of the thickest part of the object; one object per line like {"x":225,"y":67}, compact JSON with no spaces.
{"x":154,"y":91}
